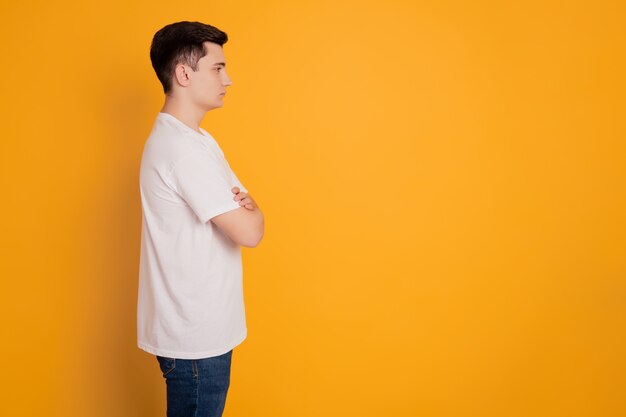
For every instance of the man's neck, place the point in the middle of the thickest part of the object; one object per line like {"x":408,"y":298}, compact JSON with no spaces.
{"x":184,"y":112}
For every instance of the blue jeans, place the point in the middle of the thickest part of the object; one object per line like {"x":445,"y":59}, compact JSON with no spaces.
{"x":196,"y":387}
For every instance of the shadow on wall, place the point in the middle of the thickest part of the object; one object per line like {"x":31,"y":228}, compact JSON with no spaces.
{"x":124,"y":381}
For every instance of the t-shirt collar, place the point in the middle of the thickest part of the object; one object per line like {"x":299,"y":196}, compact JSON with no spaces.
{"x":183,"y":125}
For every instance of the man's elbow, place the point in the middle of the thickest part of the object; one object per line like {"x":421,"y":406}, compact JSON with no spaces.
{"x":255,"y":234}
{"x":253,"y":240}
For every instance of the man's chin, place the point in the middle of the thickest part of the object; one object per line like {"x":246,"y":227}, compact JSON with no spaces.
{"x":214,"y":106}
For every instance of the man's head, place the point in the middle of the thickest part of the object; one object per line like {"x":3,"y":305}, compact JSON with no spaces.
{"x":189,"y":61}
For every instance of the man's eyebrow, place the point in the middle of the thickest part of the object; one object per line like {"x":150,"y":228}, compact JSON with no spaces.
{"x":222,"y":64}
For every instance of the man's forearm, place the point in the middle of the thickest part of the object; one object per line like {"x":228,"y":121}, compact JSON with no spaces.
{"x":257,"y":226}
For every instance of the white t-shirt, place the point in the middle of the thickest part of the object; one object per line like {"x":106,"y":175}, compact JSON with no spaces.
{"x":190,"y":299}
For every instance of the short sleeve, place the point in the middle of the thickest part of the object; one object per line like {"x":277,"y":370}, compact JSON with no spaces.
{"x":205,"y":183}
{"x":235,"y":181}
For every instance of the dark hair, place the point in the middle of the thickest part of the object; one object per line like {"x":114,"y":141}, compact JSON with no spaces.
{"x":181,"y":42}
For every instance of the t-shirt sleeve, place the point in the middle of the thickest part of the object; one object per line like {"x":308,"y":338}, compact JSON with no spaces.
{"x":205,"y":183}
{"x":236,"y":182}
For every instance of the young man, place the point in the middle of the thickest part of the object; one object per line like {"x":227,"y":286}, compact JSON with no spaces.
{"x":196,"y":215}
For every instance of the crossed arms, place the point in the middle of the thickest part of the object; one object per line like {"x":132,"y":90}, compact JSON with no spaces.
{"x":245,"y":225}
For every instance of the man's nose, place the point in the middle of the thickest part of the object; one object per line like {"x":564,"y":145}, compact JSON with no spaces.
{"x":228,"y":81}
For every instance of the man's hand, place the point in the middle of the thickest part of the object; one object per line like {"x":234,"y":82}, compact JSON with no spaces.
{"x":244,"y":199}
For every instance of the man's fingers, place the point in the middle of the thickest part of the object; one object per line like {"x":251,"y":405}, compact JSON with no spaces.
{"x":235,"y":190}
{"x":244,"y":201}
{"x":248,"y":203}
{"x":240,"y":196}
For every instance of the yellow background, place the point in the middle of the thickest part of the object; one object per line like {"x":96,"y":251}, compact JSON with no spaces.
{"x":444,"y":191}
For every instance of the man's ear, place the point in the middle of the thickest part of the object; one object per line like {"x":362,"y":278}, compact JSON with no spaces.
{"x":181,"y":75}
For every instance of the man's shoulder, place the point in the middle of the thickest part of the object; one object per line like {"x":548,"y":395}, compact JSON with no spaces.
{"x":167,"y":144}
